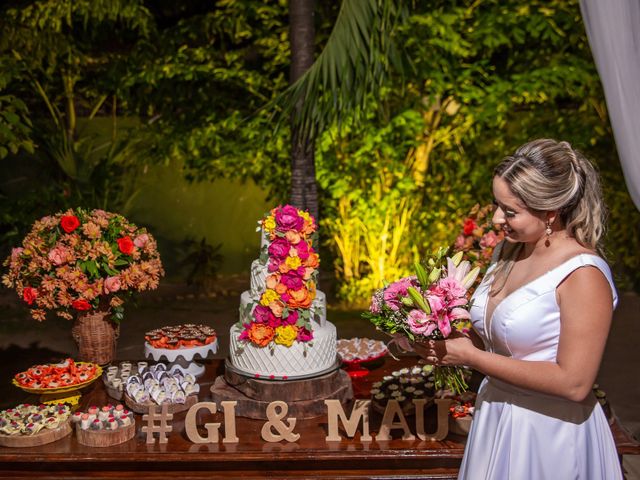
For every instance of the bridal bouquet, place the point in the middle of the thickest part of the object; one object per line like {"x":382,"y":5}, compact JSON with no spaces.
{"x":428,"y":306}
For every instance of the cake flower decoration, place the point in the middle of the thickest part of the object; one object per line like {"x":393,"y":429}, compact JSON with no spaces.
{"x":282,"y":314}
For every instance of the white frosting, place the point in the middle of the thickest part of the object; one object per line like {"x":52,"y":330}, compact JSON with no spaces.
{"x":258,"y":278}
{"x":291,"y":362}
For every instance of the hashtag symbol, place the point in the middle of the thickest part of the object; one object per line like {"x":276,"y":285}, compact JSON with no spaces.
{"x":161,"y":428}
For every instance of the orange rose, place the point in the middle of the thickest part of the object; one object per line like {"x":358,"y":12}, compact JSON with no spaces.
{"x":261,"y":334}
{"x":293,"y":237}
{"x":283,"y":267}
{"x":281,"y":288}
{"x":277,"y":307}
{"x":272,"y":281}
{"x":313,"y":261}
{"x":301,"y":298}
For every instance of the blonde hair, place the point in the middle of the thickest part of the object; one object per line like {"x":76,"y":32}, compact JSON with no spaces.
{"x":548,"y":175}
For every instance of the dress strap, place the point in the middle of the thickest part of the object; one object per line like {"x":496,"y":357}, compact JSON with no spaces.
{"x":585,"y":260}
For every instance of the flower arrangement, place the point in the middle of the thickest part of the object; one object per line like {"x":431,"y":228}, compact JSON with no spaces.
{"x":478,"y":236}
{"x":79,"y":261}
{"x":428,"y":306}
{"x":282,"y":315}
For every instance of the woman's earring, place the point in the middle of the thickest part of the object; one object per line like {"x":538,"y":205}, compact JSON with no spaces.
{"x":548,"y":232}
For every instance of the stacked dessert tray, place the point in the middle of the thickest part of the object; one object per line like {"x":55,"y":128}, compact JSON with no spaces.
{"x":143,"y":386}
{"x":180,"y":345}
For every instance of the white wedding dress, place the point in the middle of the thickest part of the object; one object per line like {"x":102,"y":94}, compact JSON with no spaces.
{"x":520,"y":434}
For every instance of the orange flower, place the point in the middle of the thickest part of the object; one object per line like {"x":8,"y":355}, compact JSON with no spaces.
{"x":293,"y":237}
{"x":302,"y":298}
{"x":313,"y":261}
{"x":281,"y":288}
{"x":261,"y":334}
{"x":272,"y":281}
{"x":277,"y":307}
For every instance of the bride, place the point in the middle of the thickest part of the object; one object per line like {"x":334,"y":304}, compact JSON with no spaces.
{"x":541,"y":318}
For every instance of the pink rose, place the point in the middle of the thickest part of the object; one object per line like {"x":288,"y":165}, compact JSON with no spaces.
{"x":262,"y":314}
{"x":489,"y":239}
{"x":292,"y":318}
{"x":452,"y":288}
{"x":459,"y":244}
{"x":292,"y":281}
{"x":57,"y":255}
{"x":304,"y":335}
{"x":393,"y":293}
{"x":419,"y":323}
{"x":279,"y":248}
{"x":112,"y":284}
{"x":303,"y":250}
{"x":141,"y":240}
{"x":287,"y":218}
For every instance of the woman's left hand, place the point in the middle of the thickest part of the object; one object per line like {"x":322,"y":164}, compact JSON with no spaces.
{"x":455,"y":350}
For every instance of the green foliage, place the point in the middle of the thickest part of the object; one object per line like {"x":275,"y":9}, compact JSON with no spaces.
{"x":486,"y":78}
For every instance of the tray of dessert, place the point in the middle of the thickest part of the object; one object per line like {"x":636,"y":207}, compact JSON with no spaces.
{"x":104,"y":426}
{"x":404,"y":386}
{"x":186,"y":340}
{"x":115,"y":377}
{"x":353,"y":352}
{"x":461,"y":413}
{"x":32,"y":425}
{"x":65,"y":376}
{"x":157,"y":386}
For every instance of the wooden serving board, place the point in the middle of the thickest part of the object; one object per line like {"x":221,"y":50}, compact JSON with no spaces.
{"x":105,"y":438}
{"x":41,"y":438}
{"x":173,"y":407}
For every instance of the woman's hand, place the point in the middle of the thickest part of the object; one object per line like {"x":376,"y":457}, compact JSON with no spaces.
{"x":458,"y":349}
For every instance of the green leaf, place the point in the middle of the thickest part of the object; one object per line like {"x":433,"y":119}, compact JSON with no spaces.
{"x":419,"y":300}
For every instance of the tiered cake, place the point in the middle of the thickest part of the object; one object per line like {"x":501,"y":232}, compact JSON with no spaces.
{"x":283,"y":332}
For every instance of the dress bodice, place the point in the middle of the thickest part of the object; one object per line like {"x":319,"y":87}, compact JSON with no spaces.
{"x":526,"y":323}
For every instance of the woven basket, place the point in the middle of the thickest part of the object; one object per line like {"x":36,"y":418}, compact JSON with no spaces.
{"x":95,"y":334}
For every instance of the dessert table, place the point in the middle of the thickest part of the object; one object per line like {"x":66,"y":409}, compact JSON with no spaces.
{"x":311,"y":456}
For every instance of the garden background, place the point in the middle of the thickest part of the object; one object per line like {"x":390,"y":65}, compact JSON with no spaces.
{"x":172,"y":114}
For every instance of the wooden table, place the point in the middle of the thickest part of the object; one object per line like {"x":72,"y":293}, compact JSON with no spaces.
{"x":310,"y":457}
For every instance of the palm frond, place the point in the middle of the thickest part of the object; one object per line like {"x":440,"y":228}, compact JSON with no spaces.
{"x":357,"y":58}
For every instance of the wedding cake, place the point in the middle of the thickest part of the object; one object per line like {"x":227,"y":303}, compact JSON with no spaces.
{"x":283,"y":332}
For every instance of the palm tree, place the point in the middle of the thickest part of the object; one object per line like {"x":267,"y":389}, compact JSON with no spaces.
{"x":354,"y":63}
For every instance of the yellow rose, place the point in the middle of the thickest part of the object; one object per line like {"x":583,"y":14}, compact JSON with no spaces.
{"x":285,"y":335}
{"x":268,"y":296}
{"x":293,"y":262}
{"x":269,"y":224}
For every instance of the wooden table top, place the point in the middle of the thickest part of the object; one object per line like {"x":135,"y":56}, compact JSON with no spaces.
{"x":309,"y":457}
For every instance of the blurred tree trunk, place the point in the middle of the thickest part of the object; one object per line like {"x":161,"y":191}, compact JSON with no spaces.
{"x":304,"y":190}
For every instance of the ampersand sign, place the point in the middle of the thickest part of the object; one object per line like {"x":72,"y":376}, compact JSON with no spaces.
{"x":276,"y":411}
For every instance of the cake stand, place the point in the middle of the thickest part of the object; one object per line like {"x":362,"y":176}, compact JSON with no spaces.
{"x":182,"y":359}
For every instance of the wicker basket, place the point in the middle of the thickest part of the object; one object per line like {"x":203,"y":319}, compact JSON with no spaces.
{"x":95,"y":334}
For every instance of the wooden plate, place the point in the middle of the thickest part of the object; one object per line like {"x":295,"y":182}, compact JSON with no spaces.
{"x":105,"y":438}
{"x":43,"y":437}
{"x":173,"y":407}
